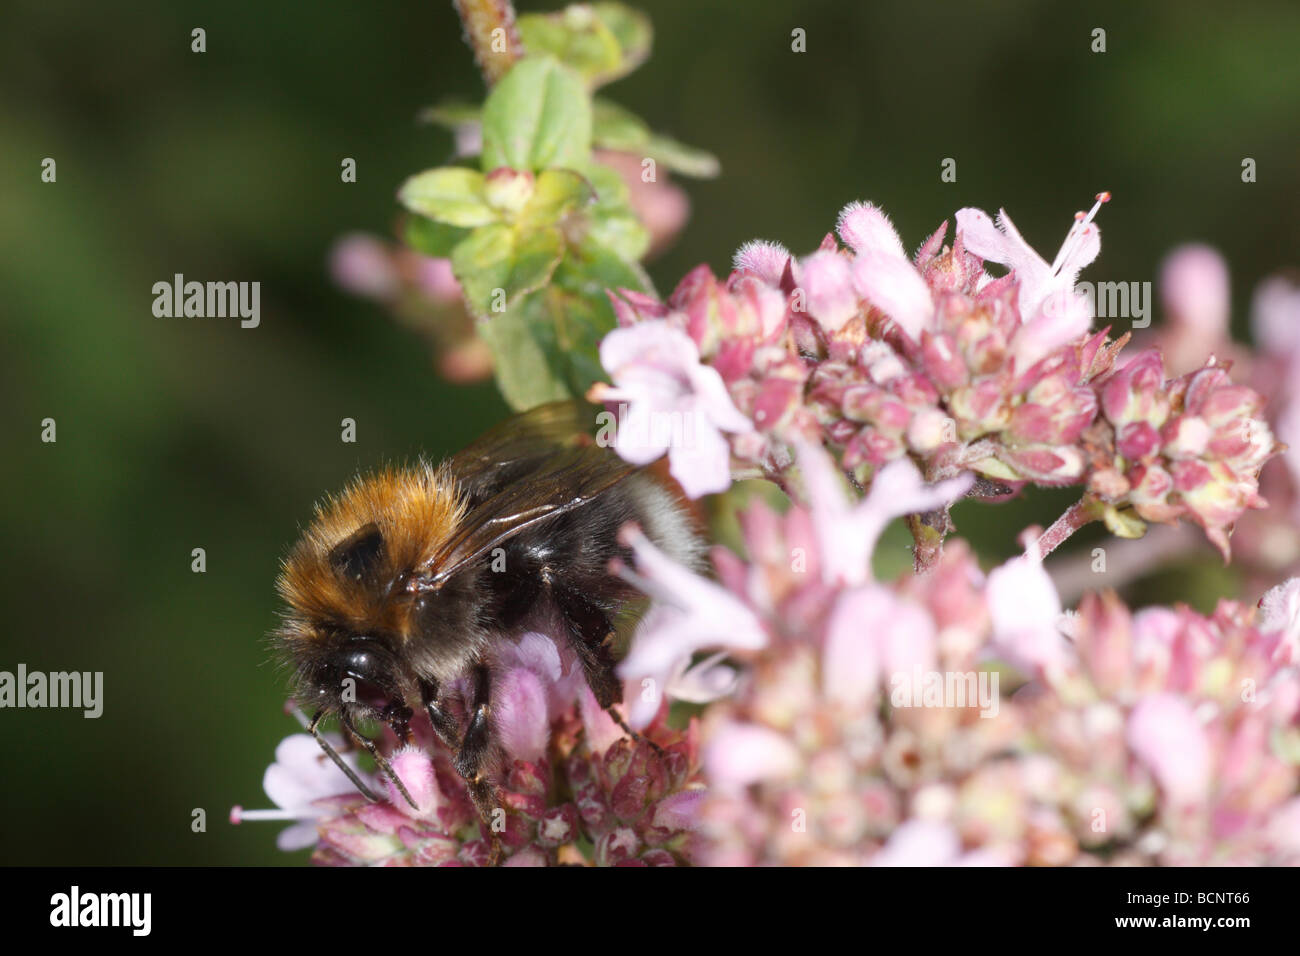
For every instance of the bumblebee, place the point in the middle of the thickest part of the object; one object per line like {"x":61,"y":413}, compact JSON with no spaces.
{"x":403,"y":584}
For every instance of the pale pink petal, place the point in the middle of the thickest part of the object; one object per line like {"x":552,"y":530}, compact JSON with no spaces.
{"x":707,"y":604}
{"x":679,"y":811}
{"x":892,"y":285}
{"x":1195,"y":292}
{"x":851,"y":661}
{"x":739,"y":754}
{"x":713,"y":404}
{"x":1062,"y":317}
{"x":873,"y":633}
{"x":846,"y":534}
{"x":705,"y":682}
{"x":763,"y":259}
{"x":1002,"y":243}
{"x":1280,"y":613}
{"x":1275,"y":316}
{"x":302,"y":773}
{"x":703,"y":465}
{"x":521,"y":714}
{"x":414,"y":768}
{"x":827,"y":282}
{"x":297,"y":837}
{"x":639,"y":438}
{"x":1083,"y":250}
{"x":867,"y":230}
{"x":1026,"y":614}
{"x":907,"y":639}
{"x":1284,"y":828}
{"x":528,"y":856}
{"x":600,"y":730}
{"x":652,"y":343}
{"x":1166,"y":736}
{"x":920,"y":843}
{"x":363,"y":265}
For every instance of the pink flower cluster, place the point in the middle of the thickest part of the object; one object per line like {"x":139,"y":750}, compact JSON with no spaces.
{"x":567,"y":776}
{"x":961,"y":718}
{"x":1194,"y":286}
{"x":880,"y":356}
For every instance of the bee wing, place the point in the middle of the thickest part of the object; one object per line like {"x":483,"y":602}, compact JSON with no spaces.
{"x":534,"y":466}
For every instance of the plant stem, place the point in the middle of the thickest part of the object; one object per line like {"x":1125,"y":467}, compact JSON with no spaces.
{"x":1076,"y":516}
{"x":491,"y":32}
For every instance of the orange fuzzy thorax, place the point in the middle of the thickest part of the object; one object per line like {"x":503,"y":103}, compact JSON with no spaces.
{"x":416,"y":510}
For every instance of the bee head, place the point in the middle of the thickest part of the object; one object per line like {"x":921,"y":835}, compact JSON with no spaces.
{"x":357,"y":677}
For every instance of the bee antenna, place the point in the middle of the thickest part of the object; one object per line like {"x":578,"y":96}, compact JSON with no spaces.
{"x":380,"y":760}
{"x":313,"y":729}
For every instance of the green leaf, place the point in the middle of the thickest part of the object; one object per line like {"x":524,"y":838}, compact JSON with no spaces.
{"x":580,"y":42}
{"x":497,"y":264}
{"x":547,"y":345}
{"x":613,"y":223}
{"x":538,"y":115}
{"x":680,"y":158}
{"x":556,"y":193}
{"x":591,"y":268}
{"x":525,"y":355}
{"x":581,"y":310}
{"x":614,"y":127}
{"x":450,"y":194}
{"x":632,"y":29}
{"x":433,"y":238}
{"x":600,"y":43}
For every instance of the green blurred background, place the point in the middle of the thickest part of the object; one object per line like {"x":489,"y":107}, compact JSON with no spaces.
{"x":175,"y":434}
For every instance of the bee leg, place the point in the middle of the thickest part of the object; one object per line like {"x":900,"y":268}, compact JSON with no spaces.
{"x":470,"y":760}
{"x":591,"y":635}
{"x":444,"y":724}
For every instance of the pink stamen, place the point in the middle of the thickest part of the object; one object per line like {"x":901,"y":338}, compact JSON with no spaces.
{"x":238,"y":815}
{"x":1078,"y":231}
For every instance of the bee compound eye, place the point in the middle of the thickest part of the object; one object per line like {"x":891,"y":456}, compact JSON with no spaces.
{"x":363,"y":672}
{"x":361,"y":663}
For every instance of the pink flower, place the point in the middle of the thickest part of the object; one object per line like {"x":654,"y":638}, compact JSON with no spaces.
{"x":827,"y":281}
{"x":1280,"y":609}
{"x":1166,"y":736}
{"x":739,"y":754}
{"x":1026,"y":613}
{"x":300,"y":776}
{"x":692,"y":614}
{"x":1275,"y":316}
{"x":1194,"y":289}
{"x":847,"y":532}
{"x":1276,"y":324}
{"x":762,"y":259}
{"x":882,"y":273}
{"x":1052,"y":312}
{"x":675,"y":404}
{"x":873,"y":633}
{"x":537,"y":683}
{"x":364,"y":266}
{"x":1038,"y":281}
{"x":413,"y":766}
